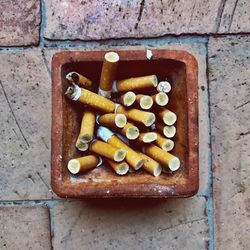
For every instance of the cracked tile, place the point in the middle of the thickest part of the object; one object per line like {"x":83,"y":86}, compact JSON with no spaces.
{"x":115,"y":19}
{"x":24,"y":126}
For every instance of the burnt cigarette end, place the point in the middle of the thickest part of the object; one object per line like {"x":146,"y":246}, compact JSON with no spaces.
{"x":73,"y":92}
{"x":69,"y":92}
{"x":75,"y":77}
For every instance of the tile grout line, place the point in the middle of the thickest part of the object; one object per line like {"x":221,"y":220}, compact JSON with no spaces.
{"x":190,"y":39}
{"x":209,"y":191}
{"x":183,"y":38}
{"x":43,"y":23}
{"x":51,"y":205}
{"x":121,"y":40}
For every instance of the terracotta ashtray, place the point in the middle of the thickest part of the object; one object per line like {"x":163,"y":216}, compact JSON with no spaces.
{"x":181,"y":70}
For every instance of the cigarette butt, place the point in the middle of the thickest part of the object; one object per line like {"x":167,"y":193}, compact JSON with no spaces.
{"x":147,"y":118}
{"x":167,"y":116}
{"x":113,"y":120}
{"x":168,"y":131}
{"x":147,"y":137}
{"x":90,"y":98}
{"x":164,"y":143}
{"x":135,"y":83}
{"x":130,"y":131}
{"x":132,"y":158}
{"x":120,"y":168}
{"x":150,"y":165}
{"x":161,"y":99}
{"x":107,"y":150}
{"x":87,"y":127}
{"x":164,"y":86}
{"x":128,"y":99}
{"x":81,"y":146}
{"x":79,"y":79}
{"x":83,"y":164}
{"x":109,"y":68}
{"x":163,"y":157}
{"x":145,"y":101}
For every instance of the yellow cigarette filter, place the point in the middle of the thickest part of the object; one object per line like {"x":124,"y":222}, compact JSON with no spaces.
{"x":87,"y":127}
{"x":164,"y":86}
{"x":164,"y":143}
{"x":109,"y":68}
{"x":112,"y":120}
{"x":81,"y":146}
{"x":120,"y":168}
{"x":135,"y":83}
{"x":79,"y":165}
{"x":166,"y":159}
{"x":145,"y":101}
{"x":147,"y":137}
{"x":167,"y":116}
{"x":144,"y":117}
{"x":107,"y":150}
{"x":128,"y":99}
{"x":132,"y":158}
{"x":81,"y":81}
{"x":90,"y":98}
{"x":130,"y":131}
{"x":150,"y":165}
{"x":160,"y":99}
{"x":167,"y":131}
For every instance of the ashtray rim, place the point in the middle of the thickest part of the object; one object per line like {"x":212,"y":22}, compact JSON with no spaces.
{"x":190,"y":185}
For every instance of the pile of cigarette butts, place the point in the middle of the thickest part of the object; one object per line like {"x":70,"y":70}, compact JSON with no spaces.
{"x":122,"y":130}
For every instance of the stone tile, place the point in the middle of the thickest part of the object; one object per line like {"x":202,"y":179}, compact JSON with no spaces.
{"x":24,"y":228}
{"x":131,"y":224}
{"x":229,"y":75}
{"x":19,"y":22}
{"x":25,"y":117}
{"x":199,"y":51}
{"x":235,"y":17}
{"x":114,"y":19}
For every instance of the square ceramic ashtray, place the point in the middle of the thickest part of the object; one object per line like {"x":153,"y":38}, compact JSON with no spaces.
{"x":181,"y":70}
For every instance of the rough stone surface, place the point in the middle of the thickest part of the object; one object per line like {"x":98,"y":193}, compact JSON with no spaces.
{"x":19,"y":22}
{"x":131,"y":224}
{"x":199,"y":51}
{"x":229,"y":73}
{"x":25,"y":117}
{"x":24,"y":228}
{"x":113,"y":19}
{"x":235,"y":16}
